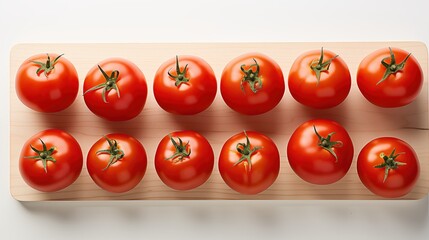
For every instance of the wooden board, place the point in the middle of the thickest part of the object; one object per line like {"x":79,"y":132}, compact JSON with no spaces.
{"x":363,"y":120}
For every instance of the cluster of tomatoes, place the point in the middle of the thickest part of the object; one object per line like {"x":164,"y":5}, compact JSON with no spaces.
{"x":319,"y":151}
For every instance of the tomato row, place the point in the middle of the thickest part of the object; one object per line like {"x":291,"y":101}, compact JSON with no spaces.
{"x":319,"y":151}
{"x":116,"y":89}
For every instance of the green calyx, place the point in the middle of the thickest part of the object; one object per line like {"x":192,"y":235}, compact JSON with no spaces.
{"x":111,"y":83}
{"x":392,"y":68}
{"x":182,"y":150}
{"x":181,"y":75}
{"x":389,"y":163}
{"x":327,"y":144}
{"x":47,"y":66}
{"x":246,"y":151}
{"x":318,"y":66}
{"x":251,"y":77}
{"x":43,"y":155}
{"x":115,"y":153}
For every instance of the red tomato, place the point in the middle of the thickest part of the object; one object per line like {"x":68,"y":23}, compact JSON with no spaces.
{"x":249,"y":162}
{"x":319,"y":79}
{"x":252,"y":84}
{"x":390,"y":77}
{"x":115,"y":90}
{"x":320,"y":151}
{"x":117,"y":162}
{"x":50,"y":160}
{"x":184,"y":160}
{"x":47,"y":83}
{"x":189,"y":89}
{"x":388,"y":167}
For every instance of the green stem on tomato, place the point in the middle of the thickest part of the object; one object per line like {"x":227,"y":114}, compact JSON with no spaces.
{"x":327,"y":144}
{"x":318,"y":66}
{"x":43,"y":155}
{"x":246,"y":151}
{"x":181,"y":75}
{"x":389,"y":163}
{"x":47,"y":66}
{"x":181,"y":150}
{"x":115,"y":153}
{"x":251,"y":77}
{"x":392,"y":67}
{"x":111,"y":83}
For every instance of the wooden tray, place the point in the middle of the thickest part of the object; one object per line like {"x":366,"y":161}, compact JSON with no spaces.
{"x":363,"y":120}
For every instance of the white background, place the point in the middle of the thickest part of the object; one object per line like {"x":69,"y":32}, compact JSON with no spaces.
{"x":80,"y":21}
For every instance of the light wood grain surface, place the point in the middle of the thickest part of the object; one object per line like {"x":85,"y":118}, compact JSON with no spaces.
{"x":363,"y":120}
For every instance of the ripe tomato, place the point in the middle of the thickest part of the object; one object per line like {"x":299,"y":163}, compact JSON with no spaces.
{"x":47,"y":85}
{"x":390,"y":77}
{"x":117,"y":162}
{"x":115,"y":90}
{"x":320,"y":151}
{"x":319,"y":83}
{"x":189,"y":89}
{"x":249,"y":162}
{"x":252,"y":84}
{"x":50,"y":160}
{"x":388,"y":167}
{"x":184,"y":160}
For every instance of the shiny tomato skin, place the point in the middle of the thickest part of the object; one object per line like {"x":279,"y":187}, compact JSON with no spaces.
{"x":247,"y":102}
{"x":333,"y":87}
{"x":264,"y":169}
{"x":58,"y":175}
{"x":311,"y":162}
{"x":190,"y":172}
{"x":123,"y":175}
{"x":51,"y":93}
{"x":188,"y":98}
{"x":132,"y":88}
{"x":400,"y":181}
{"x":398,"y":89}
